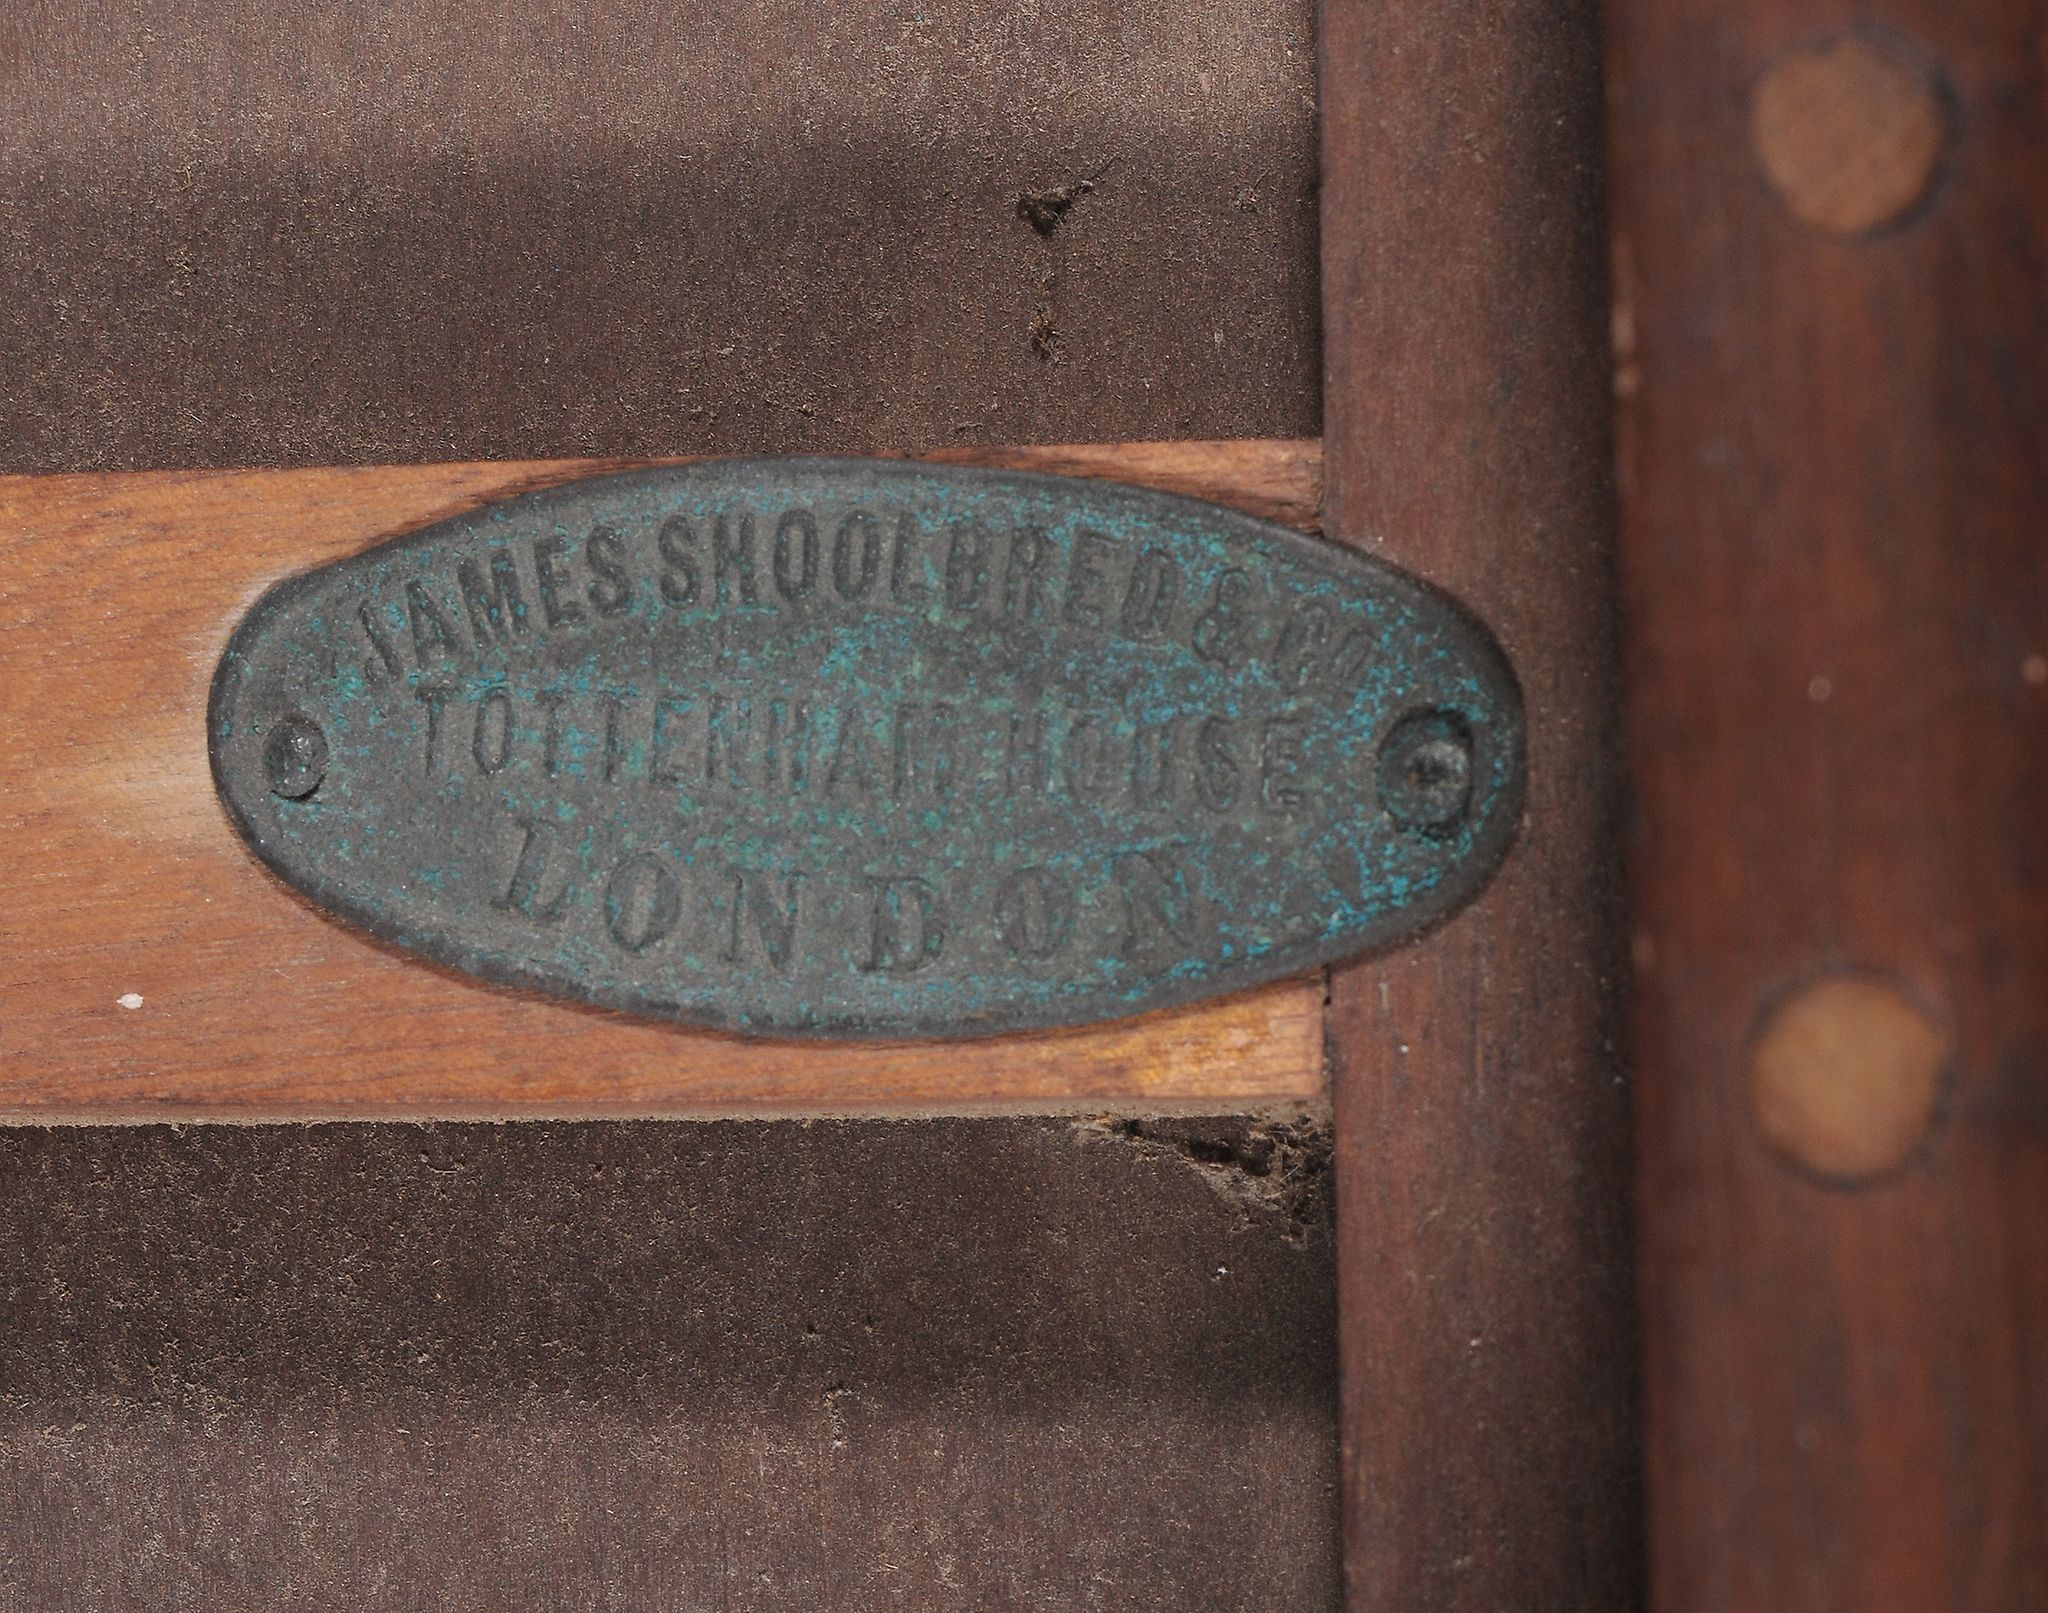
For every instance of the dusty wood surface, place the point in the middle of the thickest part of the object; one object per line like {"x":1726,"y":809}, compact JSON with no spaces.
{"x":325,"y":233}
{"x":150,"y":967}
{"x":1487,"y":1352}
{"x":1835,"y":461}
{"x":955,"y":1365}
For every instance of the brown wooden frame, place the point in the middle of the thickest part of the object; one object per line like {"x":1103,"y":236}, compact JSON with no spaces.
{"x":1484,"y":1297}
{"x":1830,"y":367}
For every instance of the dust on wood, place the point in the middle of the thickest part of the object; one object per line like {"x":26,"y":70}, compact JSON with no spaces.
{"x":1046,"y":210}
{"x":1276,"y":1166}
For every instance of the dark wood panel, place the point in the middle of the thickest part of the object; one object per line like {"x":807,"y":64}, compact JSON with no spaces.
{"x":1033,"y":1365}
{"x":1483,"y":1271}
{"x":1834,"y":370}
{"x":342,"y":232}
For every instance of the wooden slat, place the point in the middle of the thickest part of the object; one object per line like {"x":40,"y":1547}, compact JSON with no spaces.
{"x":1484,"y":1296}
{"x":149,"y":967}
{"x":1834,"y":372}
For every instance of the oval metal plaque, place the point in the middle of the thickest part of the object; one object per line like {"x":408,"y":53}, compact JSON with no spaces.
{"x":869,"y":748}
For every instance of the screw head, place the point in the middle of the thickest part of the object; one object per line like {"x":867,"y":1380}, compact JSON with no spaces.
{"x":295,"y":757}
{"x":1426,"y":772}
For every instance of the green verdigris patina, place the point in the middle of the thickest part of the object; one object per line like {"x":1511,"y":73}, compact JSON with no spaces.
{"x":866,"y":748}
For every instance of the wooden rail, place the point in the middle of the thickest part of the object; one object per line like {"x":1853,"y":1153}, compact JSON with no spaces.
{"x":1484,"y":1305}
{"x":151,"y":968}
{"x":1834,"y":455}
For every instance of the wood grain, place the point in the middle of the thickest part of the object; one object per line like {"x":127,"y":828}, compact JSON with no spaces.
{"x":1835,"y":464}
{"x":1487,"y":1351}
{"x":149,"y":967}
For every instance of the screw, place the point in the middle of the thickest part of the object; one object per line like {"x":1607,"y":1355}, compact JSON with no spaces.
{"x":295,"y":757}
{"x":1426,"y":771}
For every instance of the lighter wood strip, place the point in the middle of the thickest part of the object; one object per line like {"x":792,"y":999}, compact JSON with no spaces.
{"x":151,"y":968}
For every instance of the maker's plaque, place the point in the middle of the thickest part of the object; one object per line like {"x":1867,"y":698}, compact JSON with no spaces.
{"x":867,"y":748}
